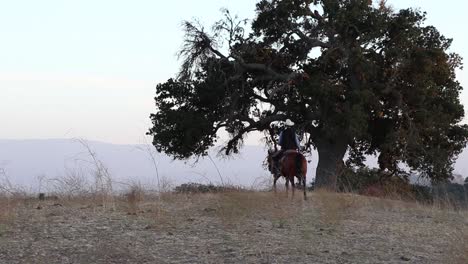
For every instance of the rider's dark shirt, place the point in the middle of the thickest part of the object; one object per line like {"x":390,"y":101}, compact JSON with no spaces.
{"x":288,"y":139}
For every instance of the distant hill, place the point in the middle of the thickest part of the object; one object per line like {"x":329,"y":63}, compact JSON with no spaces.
{"x":25,"y":160}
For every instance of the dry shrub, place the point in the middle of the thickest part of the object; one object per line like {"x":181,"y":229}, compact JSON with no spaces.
{"x":73,"y":184}
{"x":8,"y":189}
{"x":398,"y":188}
{"x":394,"y":188}
{"x":134,"y":198}
{"x":165,"y":185}
{"x":264,"y":182}
{"x":372,"y":182}
{"x":102,"y":190}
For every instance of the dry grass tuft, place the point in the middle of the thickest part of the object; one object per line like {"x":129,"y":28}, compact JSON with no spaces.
{"x":134,"y":198}
{"x":8,"y":207}
{"x":230,"y":209}
{"x":236,"y":207}
{"x":10,"y":197}
{"x":458,"y":241}
{"x":462,"y":244}
{"x":170,"y":210}
{"x":334,"y":207}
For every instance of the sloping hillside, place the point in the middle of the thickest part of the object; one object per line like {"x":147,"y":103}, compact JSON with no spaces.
{"x":232,"y":227}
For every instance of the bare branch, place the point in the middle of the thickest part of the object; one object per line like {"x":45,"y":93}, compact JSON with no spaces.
{"x":262,"y":124}
{"x":312,"y":42}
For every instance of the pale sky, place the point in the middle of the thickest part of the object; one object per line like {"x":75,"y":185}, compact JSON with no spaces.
{"x":88,"y":68}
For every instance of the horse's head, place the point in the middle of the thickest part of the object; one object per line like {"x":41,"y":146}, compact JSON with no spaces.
{"x":269,"y":160}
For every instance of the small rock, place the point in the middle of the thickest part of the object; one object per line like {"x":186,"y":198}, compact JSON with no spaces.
{"x":326,"y":251}
{"x":39,"y":207}
{"x":170,"y":233}
{"x":405,"y":258}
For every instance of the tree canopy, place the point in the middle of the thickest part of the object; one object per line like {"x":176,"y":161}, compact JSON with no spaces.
{"x":353,"y":76}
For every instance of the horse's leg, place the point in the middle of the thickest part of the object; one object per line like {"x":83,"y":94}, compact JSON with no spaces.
{"x":287,"y":185}
{"x":275,"y":179}
{"x":304,"y":185}
{"x":292,"y":186}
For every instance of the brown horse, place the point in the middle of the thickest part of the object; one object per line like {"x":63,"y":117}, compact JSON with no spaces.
{"x":292,"y":164}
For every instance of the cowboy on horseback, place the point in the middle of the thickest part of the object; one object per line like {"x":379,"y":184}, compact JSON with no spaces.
{"x":288,"y":162}
{"x":287,"y":140}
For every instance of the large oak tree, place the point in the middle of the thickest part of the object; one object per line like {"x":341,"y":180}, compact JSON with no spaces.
{"x":354,"y":76}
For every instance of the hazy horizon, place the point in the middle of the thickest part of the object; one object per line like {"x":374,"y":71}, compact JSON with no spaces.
{"x":54,"y":158}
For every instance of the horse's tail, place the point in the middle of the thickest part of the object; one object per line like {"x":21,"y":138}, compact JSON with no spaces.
{"x":300,"y":171}
{"x":299,"y":164}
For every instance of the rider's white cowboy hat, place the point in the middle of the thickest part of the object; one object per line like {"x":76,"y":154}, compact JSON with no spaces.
{"x":289,"y":123}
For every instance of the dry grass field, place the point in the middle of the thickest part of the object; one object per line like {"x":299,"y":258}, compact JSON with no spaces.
{"x":229,"y":227}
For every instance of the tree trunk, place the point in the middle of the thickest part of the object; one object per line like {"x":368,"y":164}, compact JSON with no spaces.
{"x":331,"y":155}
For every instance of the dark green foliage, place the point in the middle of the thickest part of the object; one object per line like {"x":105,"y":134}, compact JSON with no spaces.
{"x":452,"y":194}
{"x":422,"y":194}
{"x":372,"y":182}
{"x":369,"y":181}
{"x":351,"y":75}
{"x":357,"y":180}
